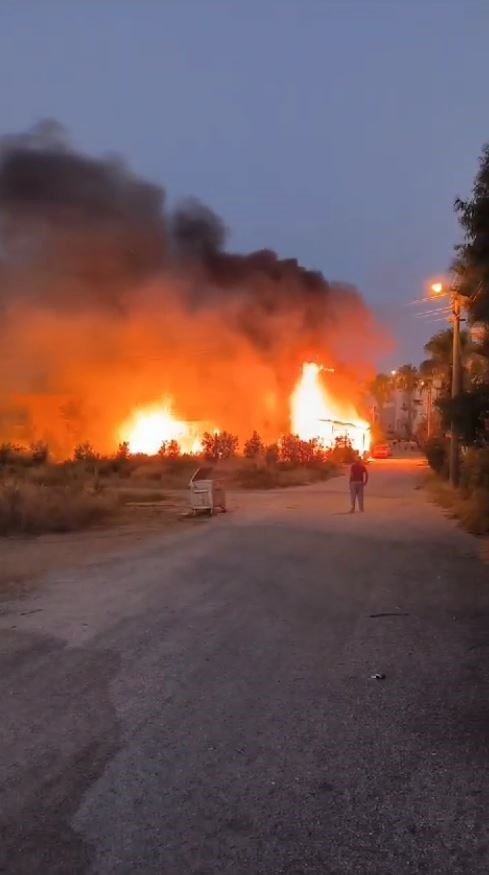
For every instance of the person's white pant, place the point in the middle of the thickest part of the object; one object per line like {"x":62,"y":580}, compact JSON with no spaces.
{"x":356,"y":492}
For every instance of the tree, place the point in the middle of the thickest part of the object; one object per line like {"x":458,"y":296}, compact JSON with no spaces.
{"x":170,"y":450}
{"x":123,"y":451}
{"x":173,"y":450}
{"x":39,"y":453}
{"x":440,"y":351}
{"x":85,"y":453}
{"x":381,"y":390}
{"x":9,"y":453}
{"x":222,"y":445}
{"x":294,"y":451}
{"x":407,"y":381}
{"x":469,"y":411}
{"x":272,"y":454}
{"x":253,"y":447}
{"x":471,"y":263}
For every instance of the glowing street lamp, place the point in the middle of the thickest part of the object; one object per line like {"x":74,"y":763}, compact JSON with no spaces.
{"x":437,"y":288}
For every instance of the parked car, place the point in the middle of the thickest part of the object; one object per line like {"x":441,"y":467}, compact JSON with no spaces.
{"x":382,"y":451}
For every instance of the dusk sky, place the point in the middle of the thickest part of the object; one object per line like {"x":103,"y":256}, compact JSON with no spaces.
{"x":335,"y":132}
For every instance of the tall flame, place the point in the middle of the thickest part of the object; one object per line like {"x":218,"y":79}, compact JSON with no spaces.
{"x":315,"y":414}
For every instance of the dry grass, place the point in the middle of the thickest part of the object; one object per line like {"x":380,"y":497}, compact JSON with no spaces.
{"x":253,"y":476}
{"x":141,"y":494}
{"x":31,"y":508}
{"x":471,"y":509}
{"x":49,"y":498}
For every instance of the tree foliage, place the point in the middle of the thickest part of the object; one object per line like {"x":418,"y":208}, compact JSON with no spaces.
{"x":296,"y":452}
{"x":85,"y":453}
{"x":170,"y":450}
{"x":381,"y":389}
{"x":472,"y":256}
{"x":253,"y":447}
{"x":222,"y":445}
{"x":469,"y":412}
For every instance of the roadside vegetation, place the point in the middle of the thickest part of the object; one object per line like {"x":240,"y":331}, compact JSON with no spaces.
{"x":40,"y":494}
{"x":468,"y":413}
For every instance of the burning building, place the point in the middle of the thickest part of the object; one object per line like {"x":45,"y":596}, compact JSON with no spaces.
{"x":146,"y":325}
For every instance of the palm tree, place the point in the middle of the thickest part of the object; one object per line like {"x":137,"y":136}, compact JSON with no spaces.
{"x":407,"y":379}
{"x":440,"y":351}
{"x":381,"y":390}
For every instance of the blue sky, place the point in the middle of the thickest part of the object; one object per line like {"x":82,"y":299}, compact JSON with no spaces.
{"x":335,"y":131}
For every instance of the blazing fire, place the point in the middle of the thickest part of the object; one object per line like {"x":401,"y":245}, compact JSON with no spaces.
{"x":149,"y":428}
{"x":110,"y":302}
{"x":315,"y":414}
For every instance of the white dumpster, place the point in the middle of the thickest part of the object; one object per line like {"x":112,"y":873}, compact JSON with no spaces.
{"x":206,"y":495}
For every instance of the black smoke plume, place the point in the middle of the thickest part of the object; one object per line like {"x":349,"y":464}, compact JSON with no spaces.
{"x":110,"y":301}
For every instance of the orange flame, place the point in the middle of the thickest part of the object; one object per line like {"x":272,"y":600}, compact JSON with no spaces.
{"x":148,"y":428}
{"x":315,"y":414}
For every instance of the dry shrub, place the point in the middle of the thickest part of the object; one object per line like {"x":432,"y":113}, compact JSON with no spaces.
{"x":257,"y":477}
{"x":65,"y":474}
{"x":473,"y":512}
{"x":279,"y":477}
{"x":30,"y":508}
{"x":126,"y":496}
{"x":475,"y":470}
{"x":470,"y":508}
{"x":149,"y":471}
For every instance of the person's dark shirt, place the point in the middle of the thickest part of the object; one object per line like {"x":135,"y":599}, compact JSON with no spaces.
{"x":358,"y":473}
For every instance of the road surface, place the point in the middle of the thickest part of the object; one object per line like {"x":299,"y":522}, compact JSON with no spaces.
{"x":203,"y":704}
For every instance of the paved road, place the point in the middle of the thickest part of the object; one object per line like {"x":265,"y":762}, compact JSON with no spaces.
{"x":203,"y":705}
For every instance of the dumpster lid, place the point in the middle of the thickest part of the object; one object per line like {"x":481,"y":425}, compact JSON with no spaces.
{"x":204,"y":473}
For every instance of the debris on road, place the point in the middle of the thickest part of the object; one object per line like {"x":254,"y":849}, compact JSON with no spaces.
{"x":389,"y":614}
{"x":377,"y":677}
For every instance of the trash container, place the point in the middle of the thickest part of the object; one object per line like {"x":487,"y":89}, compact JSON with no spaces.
{"x":206,"y":494}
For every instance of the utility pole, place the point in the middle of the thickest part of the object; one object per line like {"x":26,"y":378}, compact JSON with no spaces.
{"x":439,"y":289}
{"x":429,"y":407}
{"x":453,"y":461}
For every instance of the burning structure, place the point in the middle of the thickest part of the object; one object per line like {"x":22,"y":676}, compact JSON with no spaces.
{"x":121,"y":320}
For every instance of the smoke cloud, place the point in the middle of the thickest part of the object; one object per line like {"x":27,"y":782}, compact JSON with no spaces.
{"x":109,"y":301}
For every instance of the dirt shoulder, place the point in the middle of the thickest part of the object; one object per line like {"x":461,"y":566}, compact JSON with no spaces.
{"x":25,"y":559}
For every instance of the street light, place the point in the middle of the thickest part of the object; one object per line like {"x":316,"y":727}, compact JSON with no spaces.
{"x":440,"y":290}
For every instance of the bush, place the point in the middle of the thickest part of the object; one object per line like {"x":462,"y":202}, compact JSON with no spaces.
{"x":436,"y":450}
{"x":222,"y":445}
{"x":30,"y":508}
{"x":39,"y":453}
{"x":343,"y":452}
{"x":170,"y":450}
{"x":148,"y":471}
{"x":475,"y":470}
{"x":11,"y":454}
{"x":272,"y":454}
{"x":295,"y":452}
{"x":253,"y":447}
{"x":474,"y":512}
{"x":85,"y":453}
{"x":257,"y":477}
{"x":123,"y":452}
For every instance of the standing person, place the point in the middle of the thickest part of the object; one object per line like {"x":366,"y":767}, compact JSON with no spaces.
{"x":358,"y":482}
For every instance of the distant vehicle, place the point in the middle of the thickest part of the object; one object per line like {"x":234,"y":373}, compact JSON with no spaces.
{"x":382,"y":451}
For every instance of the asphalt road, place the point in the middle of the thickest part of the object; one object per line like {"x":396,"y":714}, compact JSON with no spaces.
{"x":203,"y":704}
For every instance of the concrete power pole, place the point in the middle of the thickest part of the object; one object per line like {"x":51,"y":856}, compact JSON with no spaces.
{"x":453,"y":461}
